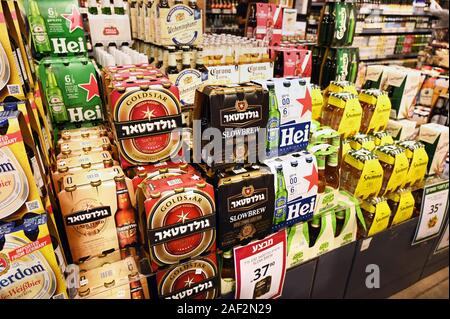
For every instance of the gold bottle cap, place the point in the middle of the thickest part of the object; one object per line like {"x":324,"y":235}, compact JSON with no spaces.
{"x":119,"y":178}
{"x":87,"y":149}
{"x":109,"y":284}
{"x":70,"y":188}
{"x":84,"y":293}
{"x":86,"y":165}
{"x":163,"y":170}
{"x":178,"y":190}
{"x":96,"y":183}
{"x":155,"y":194}
{"x":201,"y":185}
{"x":143,"y":87}
{"x":142,"y":174}
{"x":167,"y":85}
{"x":63,"y":169}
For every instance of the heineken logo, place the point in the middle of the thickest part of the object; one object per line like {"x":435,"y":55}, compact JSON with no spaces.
{"x":87,"y":216}
{"x":80,"y":114}
{"x":62,"y":46}
{"x":294,"y":137}
{"x":301,"y":209}
{"x":74,"y":18}
{"x":248,"y":199}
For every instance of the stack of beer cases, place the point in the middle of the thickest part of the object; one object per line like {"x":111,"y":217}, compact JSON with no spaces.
{"x":333,"y":58}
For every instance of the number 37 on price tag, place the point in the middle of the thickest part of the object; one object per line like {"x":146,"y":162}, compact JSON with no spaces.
{"x":261,"y":267}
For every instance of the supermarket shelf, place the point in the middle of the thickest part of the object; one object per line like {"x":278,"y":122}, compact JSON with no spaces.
{"x":393,"y":57}
{"x":379,"y":32}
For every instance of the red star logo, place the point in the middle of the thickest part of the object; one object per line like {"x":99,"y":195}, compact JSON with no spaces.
{"x":306,"y":103}
{"x":91,"y":88}
{"x":75,"y":19}
{"x":313,"y":178}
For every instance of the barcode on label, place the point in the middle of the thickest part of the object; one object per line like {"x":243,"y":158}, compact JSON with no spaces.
{"x":106,"y":274}
{"x":33,"y":205}
{"x":13,"y":89}
{"x":174,"y":182}
{"x":59,"y":296}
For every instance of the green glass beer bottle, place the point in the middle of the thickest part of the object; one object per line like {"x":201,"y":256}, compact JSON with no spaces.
{"x":273,"y":124}
{"x":106,"y":7}
{"x":38,"y":29}
{"x":353,"y":65}
{"x":55,"y":98}
{"x":281,"y":197}
{"x":324,"y":26}
{"x":92,"y":7}
{"x":351,"y":23}
{"x":119,"y":7}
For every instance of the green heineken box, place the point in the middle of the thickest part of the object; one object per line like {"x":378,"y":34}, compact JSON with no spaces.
{"x":70,"y":89}
{"x":56,"y":27}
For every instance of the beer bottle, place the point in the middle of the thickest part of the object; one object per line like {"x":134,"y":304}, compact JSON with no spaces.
{"x":55,"y":98}
{"x":332,"y":171}
{"x":273,"y":123}
{"x":38,"y":29}
{"x":186,"y":58}
{"x":163,"y":4}
{"x":92,"y":7}
{"x":351,"y":23}
{"x":281,"y":196}
{"x":324,"y":26}
{"x":251,"y":24}
{"x":331,"y":23}
{"x":118,"y":7}
{"x":125,"y":217}
{"x":193,"y":4}
{"x":135,"y":286}
{"x":160,"y":62}
{"x":314,"y":230}
{"x":172,"y":68}
{"x":278,"y":68}
{"x":106,"y":7}
{"x":340,"y":219}
{"x":321,"y":172}
{"x":227,"y":274}
{"x":199,"y":63}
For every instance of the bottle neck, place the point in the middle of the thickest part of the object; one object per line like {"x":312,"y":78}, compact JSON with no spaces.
{"x":186,"y":59}
{"x":123,"y":197}
{"x":172,"y":59}
{"x":280,"y":180}
{"x":51,"y":80}
{"x":34,"y":8}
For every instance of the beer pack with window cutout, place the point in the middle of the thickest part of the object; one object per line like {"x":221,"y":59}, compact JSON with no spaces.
{"x":97,"y":210}
{"x":237,"y":113}
{"x":295,"y":185}
{"x":82,"y":147}
{"x":56,"y":27}
{"x":177,"y":218}
{"x":197,"y":278}
{"x":28,"y":266}
{"x":245,"y":204}
{"x":147,"y":121}
{"x":20,"y":172}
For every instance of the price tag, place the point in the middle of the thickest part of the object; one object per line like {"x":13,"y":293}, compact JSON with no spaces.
{"x":433,"y":211}
{"x":261,"y":267}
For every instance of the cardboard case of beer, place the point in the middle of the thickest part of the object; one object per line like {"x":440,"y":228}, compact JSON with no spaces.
{"x":89,"y":205}
{"x":435,"y":138}
{"x":82,"y":147}
{"x":245,"y":204}
{"x":295,"y":185}
{"x":56,"y":27}
{"x":177,"y":217}
{"x":28,"y":266}
{"x":402,"y":130}
{"x":237,"y":112}
{"x":107,"y":29}
{"x":147,"y":122}
{"x":19,"y":169}
{"x":197,"y":278}
{"x":71,"y":91}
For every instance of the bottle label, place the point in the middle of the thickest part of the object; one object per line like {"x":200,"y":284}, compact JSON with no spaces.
{"x":40,"y":36}
{"x":405,"y":208}
{"x":380,"y":219}
{"x":56,"y":103}
{"x":126,"y":233}
{"x":370,"y":180}
{"x":273,"y":130}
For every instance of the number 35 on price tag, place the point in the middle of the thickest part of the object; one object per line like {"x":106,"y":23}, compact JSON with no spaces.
{"x":261,"y":267}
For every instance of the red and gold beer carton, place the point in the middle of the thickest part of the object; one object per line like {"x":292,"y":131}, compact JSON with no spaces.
{"x":177,"y":216}
{"x":194,"y":279}
{"x":158,"y":171}
{"x":28,"y":266}
{"x":82,"y":147}
{"x":75,"y":164}
{"x":147,"y":122}
{"x":117,"y":280}
{"x":98,"y":214}
{"x":19,"y":169}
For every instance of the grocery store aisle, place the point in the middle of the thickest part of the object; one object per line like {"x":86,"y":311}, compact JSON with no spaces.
{"x":432,"y":287}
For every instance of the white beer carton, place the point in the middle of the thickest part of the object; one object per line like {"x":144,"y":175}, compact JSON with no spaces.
{"x":299,"y":172}
{"x":435,"y":137}
{"x":352,"y":211}
{"x":298,"y":250}
{"x":107,"y":29}
{"x":325,"y":240}
{"x":255,"y":71}
{"x":222,"y":74}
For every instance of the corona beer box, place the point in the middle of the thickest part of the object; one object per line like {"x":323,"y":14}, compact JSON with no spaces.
{"x":295,"y":185}
{"x":74,"y":164}
{"x":238,"y":112}
{"x":117,"y":280}
{"x":20,"y":171}
{"x":245,"y":205}
{"x":159,"y":171}
{"x":194,"y":279}
{"x":82,"y":147}
{"x":56,"y":27}
{"x":90,"y":205}
{"x":71,"y":90}
{"x":223,"y":74}
{"x":177,"y":217}
{"x":147,"y":122}
{"x":28,"y":266}
{"x":178,"y":25}
{"x":294,"y":105}
{"x":435,"y":138}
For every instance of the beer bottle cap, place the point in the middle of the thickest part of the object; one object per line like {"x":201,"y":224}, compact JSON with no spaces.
{"x":316,"y":221}
{"x":270,"y":86}
{"x":228,"y":254}
{"x":155,"y":194}
{"x":340,"y":214}
{"x":320,"y":160}
{"x":302,"y":82}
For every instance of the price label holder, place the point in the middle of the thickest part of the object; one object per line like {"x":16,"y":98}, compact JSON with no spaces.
{"x":443,"y":241}
{"x":261,"y":267}
{"x":433,"y":211}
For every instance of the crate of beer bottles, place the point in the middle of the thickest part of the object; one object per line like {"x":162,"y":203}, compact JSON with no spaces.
{"x":177,"y":218}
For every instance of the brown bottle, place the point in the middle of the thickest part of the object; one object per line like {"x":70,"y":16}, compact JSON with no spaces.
{"x":227,"y":275}
{"x":314,"y":230}
{"x":340,"y":219}
{"x":332,"y":170}
{"x":136,"y":287}
{"x":321,"y":172}
{"x":125,"y":217}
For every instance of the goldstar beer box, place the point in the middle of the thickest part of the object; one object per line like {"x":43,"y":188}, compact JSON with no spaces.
{"x":194,"y":279}
{"x":236,"y":114}
{"x":56,"y":27}
{"x":245,"y":204}
{"x":147,"y":122}
{"x":177,"y":217}
{"x":28,"y":266}
{"x":97,"y":210}
{"x":435,"y":138}
{"x":295,"y":185}
{"x":70,"y":88}
{"x":20,"y":171}
{"x":290,"y":109}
